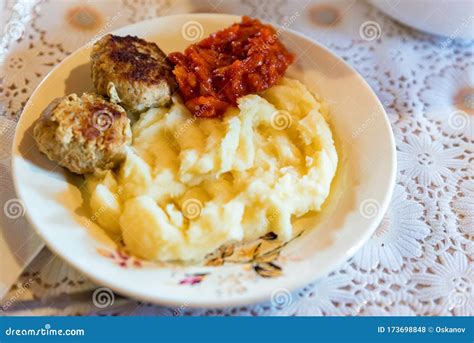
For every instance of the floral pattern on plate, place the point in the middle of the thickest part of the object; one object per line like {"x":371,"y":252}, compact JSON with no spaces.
{"x":262,"y":256}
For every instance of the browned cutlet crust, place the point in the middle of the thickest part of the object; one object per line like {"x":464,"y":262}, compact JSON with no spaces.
{"x":138,"y":60}
{"x":83,"y":134}
{"x":139,"y":70}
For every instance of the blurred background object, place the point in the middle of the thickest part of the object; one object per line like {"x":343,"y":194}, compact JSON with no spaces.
{"x":453,"y":18}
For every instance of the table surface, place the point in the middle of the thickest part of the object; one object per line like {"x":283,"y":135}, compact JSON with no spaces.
{"x":420,"y":259}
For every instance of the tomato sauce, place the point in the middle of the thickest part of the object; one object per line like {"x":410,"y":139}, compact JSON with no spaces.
{"x":244,"y":58}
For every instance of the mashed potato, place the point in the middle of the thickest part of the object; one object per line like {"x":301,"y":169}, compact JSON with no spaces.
{"x":189,"y":185}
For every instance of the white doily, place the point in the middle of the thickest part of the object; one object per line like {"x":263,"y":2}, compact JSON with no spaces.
{"x":420,"y":259}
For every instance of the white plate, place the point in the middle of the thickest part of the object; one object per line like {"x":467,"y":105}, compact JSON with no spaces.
{"x":360,"y":192}
{"x":452,"y":19}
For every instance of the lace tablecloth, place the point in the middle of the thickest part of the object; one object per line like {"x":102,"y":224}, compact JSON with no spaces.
{"x":420,"y":259}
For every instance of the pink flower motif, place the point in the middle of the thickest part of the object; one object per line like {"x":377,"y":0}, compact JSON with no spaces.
{"x":193,"y":279}
{"x":120,"y":258}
